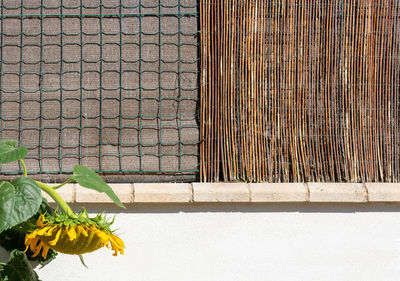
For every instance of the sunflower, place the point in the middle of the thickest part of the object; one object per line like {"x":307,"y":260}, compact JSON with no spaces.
{"x":73,"y":236}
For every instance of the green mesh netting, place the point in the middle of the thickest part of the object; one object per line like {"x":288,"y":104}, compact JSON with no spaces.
{"x":108,"y":84}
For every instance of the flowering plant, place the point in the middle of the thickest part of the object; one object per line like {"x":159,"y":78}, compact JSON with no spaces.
{"x":30,"y":229}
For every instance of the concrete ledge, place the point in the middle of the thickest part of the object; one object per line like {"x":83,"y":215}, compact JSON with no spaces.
{"x":278,"y":192}
{"x":162,"y":192}
{"x":123,"y":191}
{"x":383,"y":192}
{"x":236,"y":192}
{"x":221,"y":192}
{"x":337,"y":192}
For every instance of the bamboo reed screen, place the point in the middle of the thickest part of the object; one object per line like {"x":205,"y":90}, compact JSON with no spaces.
{"x":300,"y":90}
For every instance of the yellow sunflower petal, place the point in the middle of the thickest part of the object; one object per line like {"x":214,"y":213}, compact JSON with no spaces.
{"x":116,"y":240}
{"x":40,"y":220}
{"x":55,"y":240}
{"x":30,"y":242}
{"x":43,"y":230}
{"x":31,"y":236}
{"x":116,"y":244}
{"x":37,"y":249}
{"x":71,"y":233}
{"x":50,"y":231}
{"x":45,"y":250}
{"x":102,"y":235}
{"x":82,"y":231}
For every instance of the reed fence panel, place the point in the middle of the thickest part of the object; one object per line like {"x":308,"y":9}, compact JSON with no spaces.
{"x":300,"y":90}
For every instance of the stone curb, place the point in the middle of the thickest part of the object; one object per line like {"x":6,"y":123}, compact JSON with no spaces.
{"x":221,"y":192}
{"x":123,"y":191}
{"x":337,"y":192}
{"x":278,"y":192}
{"x":237,"y":193}
{"x":383,"y":192}
{"x":162,"y":193}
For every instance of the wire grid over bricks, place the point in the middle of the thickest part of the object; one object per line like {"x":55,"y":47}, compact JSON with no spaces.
{"x":109,"y":84}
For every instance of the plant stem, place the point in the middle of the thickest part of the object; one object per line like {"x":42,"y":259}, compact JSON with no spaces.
{"x":24,"y":166}
{"x":61,"y":185}
{"x":50,"y":191}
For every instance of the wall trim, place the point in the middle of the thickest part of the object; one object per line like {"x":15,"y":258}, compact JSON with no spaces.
{"x":236,"y":193}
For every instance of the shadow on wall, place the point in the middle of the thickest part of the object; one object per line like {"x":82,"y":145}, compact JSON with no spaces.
{"x":243,"y":208}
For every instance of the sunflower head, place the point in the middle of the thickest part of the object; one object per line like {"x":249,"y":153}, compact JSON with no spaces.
{"x":73,"y":236}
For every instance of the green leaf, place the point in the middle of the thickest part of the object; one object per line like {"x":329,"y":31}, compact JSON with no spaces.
{"x":10,"y":153}
{"x":8,"y":142}
{"x":19,"y":200}
{"x":82,"y":261}
{"x":89,"y":179}
{"x":7,"y":203}
{"x":18,"y":268}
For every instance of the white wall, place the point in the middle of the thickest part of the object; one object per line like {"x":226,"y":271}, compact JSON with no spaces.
{"x":245,"y":242}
